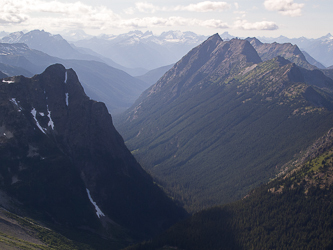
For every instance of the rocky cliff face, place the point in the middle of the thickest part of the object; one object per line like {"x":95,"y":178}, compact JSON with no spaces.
{"x":268,"y":51}
{"x":62,"y":157}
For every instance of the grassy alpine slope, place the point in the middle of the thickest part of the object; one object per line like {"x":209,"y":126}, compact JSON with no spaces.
{"x":222,"y":122}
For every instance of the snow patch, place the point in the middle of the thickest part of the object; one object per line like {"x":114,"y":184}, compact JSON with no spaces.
{"x":66,"y":77}
{"x":9,"y":82}
{"x":98,"y":210}
{"x":51,"y":123}
{"x":13,"y":100}
{"x":67,"y":97}
{"x":34,"y":113}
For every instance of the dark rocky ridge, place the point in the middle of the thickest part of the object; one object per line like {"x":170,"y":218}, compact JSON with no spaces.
{"x":212,"y":57}
{"x":55,"y":142}
{"x":290,"y":52}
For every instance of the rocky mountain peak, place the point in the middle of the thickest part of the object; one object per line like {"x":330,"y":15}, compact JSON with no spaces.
{"x":211,"y":43}
{"x":282,"y":61}
{"x":254,"y":41}
{"x":61,"y":153}
{"x":268,"y":51}
{"x":212,"y":57}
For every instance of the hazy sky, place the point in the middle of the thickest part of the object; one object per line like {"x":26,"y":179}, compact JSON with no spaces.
{"x":270,"y":18}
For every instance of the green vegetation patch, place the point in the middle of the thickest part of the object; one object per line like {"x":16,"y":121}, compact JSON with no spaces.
{"x":50,"y":238}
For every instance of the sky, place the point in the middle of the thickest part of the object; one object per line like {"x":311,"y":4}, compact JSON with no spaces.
{"x":242,"y":18}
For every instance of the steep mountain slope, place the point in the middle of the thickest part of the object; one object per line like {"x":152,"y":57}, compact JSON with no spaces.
{"x":312,"y":61}
{"x":20,"y":55}
{"x":3,"y":75}
{"x":12,"y":70}
{"x":290,"y":52}
{"x":328,"y":72}
{"x":291,"y":212}
{"x":221,"y":122}
{"x":63,"y":160}
{"x":154,"y":75}
{"x":101,"y":82}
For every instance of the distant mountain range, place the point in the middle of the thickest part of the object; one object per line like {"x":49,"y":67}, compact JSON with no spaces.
{"x":138,"y":49}
{"x":66,"y":165}
{"x":102,"y":82}
{"x":125,"y":51}
{"x":225,"y":118}
{"x":176,"y":44}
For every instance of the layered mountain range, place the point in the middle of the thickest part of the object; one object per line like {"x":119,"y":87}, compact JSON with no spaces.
{"x":222,"y":120}
{"x":66,"y":165}
{"x":53,"y":45}
{"x":102,"y":82}
{"x":146,"y":50}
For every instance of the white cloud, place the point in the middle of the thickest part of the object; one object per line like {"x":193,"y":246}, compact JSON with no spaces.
{"x":205,"y":6}
{"x":12,"y":18}
{"x":284,"y":7}
{"x":146,"y":7}
{"x":263,"y":25}
{"x":24,"y":11}
{"x":171,"y":21}
{"x":240,"y":12}
{"x":11,"y":14}
{"x":213,"y":23}
{"x":55,"y":15}
{"x":129,"y":11}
